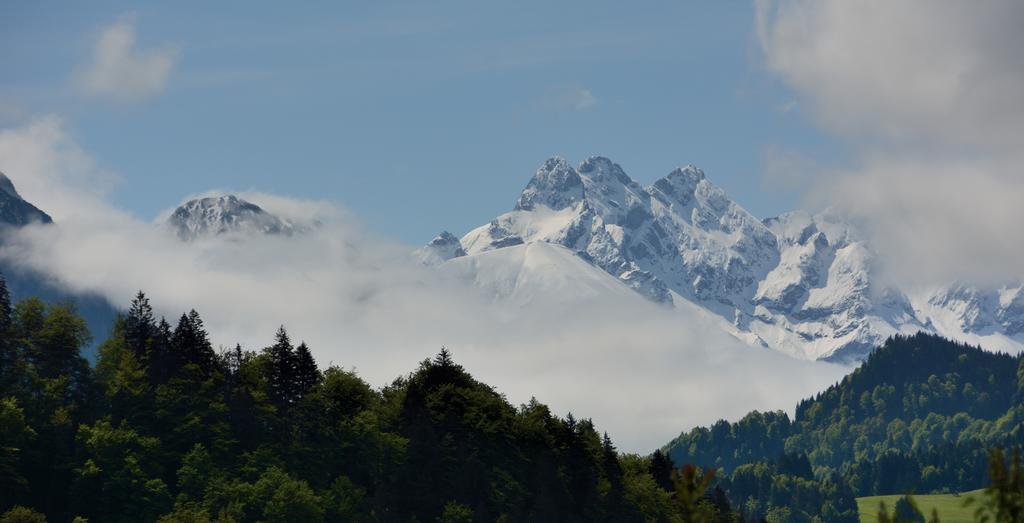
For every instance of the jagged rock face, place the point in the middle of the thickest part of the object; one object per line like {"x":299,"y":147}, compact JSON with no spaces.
{"x":555,"y":186}
{"x":229,"y":214}
{"x":798,"y":283}
{"x":442,"y":248}
{"x":980,"y":309}
{"x":16,"y":211}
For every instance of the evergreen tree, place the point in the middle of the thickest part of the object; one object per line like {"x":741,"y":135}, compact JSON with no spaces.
{"x":906,"y":511}
{"x":5,"y":308}
{"x":1004,"y":497}
{"x":191,"y":344}
{"x":306,"y":373}
{"x":444,"y":358}
{"x":15,"y":434}
{"x":13,"y":371}
{"x":282,"y":369}
{"x":1020,"y":380}
{"x":613,"y":474}
{"x":691,"y":483}
{"x":661,"y":469}
{"x":57,"y":342}
{"x":163,"y":358}
{"x":139,"y":327}
{"x":795,"y":464}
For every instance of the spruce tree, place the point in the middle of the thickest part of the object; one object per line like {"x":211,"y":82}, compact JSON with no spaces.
{"x":163,"y":360}
{"x":661,"y":469}
{"x":191,"y":344}
{"x":443,"y":358}
{"x":282,"y":369}
{"x":11,"y":362}
{"x":306,"y":373}
{"x":5,"y":308}
{"x":139,"y":327}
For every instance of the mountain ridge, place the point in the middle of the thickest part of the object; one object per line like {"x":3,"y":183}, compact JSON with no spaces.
{"x":14,"y":210}
{"x":801,"y":283}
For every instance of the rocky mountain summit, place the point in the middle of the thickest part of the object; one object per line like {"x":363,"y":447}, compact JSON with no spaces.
{"x":799,"y":283}
{"x":14,"y":210}
{"x":229,"y":214}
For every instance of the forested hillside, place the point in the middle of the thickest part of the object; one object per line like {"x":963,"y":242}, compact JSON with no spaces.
{"x":920,"y":415}
{"x":166,"y":428}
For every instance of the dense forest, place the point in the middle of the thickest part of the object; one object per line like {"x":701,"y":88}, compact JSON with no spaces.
{"x":165,"y":428}
{"x":919,"y":416}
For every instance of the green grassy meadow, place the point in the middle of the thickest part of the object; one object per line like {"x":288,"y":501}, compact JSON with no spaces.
{"x":950,"y":506}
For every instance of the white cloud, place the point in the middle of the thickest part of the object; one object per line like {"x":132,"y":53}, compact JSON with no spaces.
{"x":927,"y":95}
{"x":582,"y":99}
{"x":641,"y":372}
{"x":910,"y":70}
{"x":572,"y":98}
{"x":119,"y":69}
{"x":52,"y":171}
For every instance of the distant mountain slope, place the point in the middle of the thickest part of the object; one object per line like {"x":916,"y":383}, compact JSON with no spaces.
{"x":24,"y":282}
{"x":536,"y":273}
{"x":14,"y":210}
{"x":919,"y":415}
{"x":802,"y":284}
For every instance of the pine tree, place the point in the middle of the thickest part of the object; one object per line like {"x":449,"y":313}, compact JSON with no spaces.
{"x":5,"y":308}
{"x":233,"y":360}
{"x":163,"y":360}
{"x":192,"y":345}
{"x":906,"y":511}
{"x":443,"y":358}
{"x":139,"y":327}
{"x":661,"y":469}
{"x":614,"y":475}
{"x":11,"y":361}
{"x":282,"y":369}
{"x":306,"y":373}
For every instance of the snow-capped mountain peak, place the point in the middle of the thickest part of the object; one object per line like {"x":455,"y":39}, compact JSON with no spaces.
{"x":443,"y":247}
{"x":800,"y":283}
{"x":228,"y":214}
{"x":555,"y":185}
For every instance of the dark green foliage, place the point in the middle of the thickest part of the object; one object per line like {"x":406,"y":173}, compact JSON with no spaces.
{"x":918,"y":416}
{"x":281,"y":370}
{"x":306,"y":373}
{"x":906,"y":511}
{"x":796,"y":465}
{"x":139,"y":326}
{"x":21,"y":514}
{"x":1004,"y":497}
{"x":166,"y":430}
{"x":191,"y":345}
{"x":661,"y":469}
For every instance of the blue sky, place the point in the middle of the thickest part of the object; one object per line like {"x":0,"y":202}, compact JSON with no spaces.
{"x":416,"y":117}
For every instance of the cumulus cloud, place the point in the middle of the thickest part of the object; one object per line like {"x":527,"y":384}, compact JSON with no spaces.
{"x":928,"y":96}
{"x":118,"y":69}
{"x":53,"y":172}
{"x":642,"y":372}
